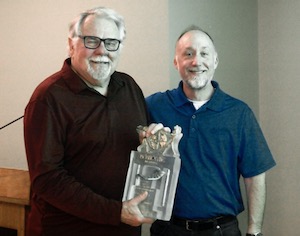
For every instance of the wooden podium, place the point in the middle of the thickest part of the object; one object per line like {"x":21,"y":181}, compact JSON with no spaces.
{"x":14,"y":199}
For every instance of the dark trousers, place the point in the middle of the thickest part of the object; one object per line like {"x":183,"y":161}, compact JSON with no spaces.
{"x":168,"y":228}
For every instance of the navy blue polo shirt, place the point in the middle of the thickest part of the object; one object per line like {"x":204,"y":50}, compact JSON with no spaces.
{"x":221,"y":142}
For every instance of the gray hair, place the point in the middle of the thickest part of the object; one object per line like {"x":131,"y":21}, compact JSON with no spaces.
{"x":75,"y":26}
{"x":195,"y":28}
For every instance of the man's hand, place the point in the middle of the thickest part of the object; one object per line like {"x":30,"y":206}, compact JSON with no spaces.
{"x":131,"y":214}
{"x":145,"y":132}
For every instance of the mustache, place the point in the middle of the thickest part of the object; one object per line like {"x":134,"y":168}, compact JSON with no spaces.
{"x":100,"y":59}
{"x":197,"y":69}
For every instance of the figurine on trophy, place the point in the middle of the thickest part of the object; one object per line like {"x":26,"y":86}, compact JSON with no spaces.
{"x":160,"y":141}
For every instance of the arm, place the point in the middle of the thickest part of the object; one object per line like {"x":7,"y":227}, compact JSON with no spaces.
{"x":256,"y":196}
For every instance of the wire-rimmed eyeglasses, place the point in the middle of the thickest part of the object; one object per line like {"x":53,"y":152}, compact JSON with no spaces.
{"x":93,"y":42}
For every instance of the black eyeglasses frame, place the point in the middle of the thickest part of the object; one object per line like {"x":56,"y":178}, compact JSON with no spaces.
{"x":105,"y":41}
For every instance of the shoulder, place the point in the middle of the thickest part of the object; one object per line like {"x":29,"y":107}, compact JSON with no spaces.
{"x":160,"y":96}
{"x":46,"y":86}
{"x":223,"y":101}
{"x":122,"y":78}
{"x":155,"y":96}
{"x":63,"y":79}
{"x":230,"y":100}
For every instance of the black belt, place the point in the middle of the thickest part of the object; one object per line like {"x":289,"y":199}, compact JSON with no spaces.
{"x":203,"y":224}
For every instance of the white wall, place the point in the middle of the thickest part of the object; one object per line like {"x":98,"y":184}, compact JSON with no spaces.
{"x":279,"y":52}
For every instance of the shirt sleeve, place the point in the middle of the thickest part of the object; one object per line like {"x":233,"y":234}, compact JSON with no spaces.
{"x":255,"y":156}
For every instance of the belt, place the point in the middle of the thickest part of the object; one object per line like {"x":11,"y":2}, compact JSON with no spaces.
{"x":202,"y":224}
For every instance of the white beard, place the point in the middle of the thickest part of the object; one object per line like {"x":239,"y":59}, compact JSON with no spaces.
{"x":99,"y":72}
{"x":197,"y":83}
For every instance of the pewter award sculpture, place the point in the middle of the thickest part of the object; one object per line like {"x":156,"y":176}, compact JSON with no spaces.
{"x":154,"y":168}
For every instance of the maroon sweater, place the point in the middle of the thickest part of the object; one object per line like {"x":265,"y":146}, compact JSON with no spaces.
{"x":78,"y":144}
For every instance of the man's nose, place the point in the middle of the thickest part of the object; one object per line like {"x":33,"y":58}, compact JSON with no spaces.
{"x":197,"y":60}
{"x":101,"y":50}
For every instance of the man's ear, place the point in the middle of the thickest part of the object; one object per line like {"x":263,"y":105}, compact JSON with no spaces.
{"x":71,"y":46}
{"x":175,"y":62}
{"x":216,"y":61}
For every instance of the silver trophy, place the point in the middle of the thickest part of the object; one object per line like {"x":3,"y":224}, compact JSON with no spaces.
{"x":154,"y":168}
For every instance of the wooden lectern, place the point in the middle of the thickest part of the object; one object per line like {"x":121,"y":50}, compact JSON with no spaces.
{"x":14,"y":199}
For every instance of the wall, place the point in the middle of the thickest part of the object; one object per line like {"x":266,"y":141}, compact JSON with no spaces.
{"x":279,"y":51}
{"x":33,"y":46}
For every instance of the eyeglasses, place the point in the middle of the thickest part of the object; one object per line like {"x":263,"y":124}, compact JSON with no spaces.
{"x":93,"y":42}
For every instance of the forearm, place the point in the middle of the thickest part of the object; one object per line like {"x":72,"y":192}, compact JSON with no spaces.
{"x":256,"y":196}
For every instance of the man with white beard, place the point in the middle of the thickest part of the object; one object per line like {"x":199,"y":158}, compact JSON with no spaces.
{"x":79,"y":128}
